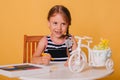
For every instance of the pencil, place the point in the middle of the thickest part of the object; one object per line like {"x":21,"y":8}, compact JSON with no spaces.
{"x":44,"y":54}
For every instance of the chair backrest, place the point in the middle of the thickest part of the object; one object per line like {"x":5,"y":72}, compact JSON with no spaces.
{"x":30,"y":44}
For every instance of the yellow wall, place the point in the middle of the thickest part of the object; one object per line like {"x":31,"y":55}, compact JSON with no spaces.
{"x":95,"y":18}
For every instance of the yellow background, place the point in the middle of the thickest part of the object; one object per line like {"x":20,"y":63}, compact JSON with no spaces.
{"x":95,"y":18}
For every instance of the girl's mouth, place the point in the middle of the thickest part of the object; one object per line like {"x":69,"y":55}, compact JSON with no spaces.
{"x":58,"y":32}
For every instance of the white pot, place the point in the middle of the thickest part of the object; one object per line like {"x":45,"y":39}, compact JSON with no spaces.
{"x":99,"y":57}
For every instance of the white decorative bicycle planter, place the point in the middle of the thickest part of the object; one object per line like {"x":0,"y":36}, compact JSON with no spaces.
{"x":96,"y":58}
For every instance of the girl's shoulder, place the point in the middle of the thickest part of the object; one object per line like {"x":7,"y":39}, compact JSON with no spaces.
{"x":70,"y":36}
{"x":46,"y":38}
{"x":43,"y":39}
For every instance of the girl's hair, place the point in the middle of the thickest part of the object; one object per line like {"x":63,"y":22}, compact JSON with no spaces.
{"x":62,"y":10}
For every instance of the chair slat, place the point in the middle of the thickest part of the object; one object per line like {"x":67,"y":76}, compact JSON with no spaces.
{"x":30,"y":45}
{"x":29,"y":51}
{"x":33,"y":47}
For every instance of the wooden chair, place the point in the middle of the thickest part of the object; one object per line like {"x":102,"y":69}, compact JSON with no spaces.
{"x":30,"y":44}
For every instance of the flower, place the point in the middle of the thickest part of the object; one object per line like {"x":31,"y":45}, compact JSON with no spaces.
{"x":102,"y":45}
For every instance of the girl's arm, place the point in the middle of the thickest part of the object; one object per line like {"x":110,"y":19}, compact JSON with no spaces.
{"x":74,"y":43}
{"x":37,"y":56}
{"x":74,"y":46}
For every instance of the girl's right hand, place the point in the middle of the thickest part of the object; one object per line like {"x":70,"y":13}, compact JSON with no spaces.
{"x":46,"y":58}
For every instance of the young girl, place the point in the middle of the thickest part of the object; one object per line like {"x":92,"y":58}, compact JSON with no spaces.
{"x":59,"y":43}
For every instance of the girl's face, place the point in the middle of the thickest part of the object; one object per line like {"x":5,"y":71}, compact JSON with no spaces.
{"x":58,"y":25}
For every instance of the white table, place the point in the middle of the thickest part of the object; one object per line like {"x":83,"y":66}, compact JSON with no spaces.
{"x":60,"y":72}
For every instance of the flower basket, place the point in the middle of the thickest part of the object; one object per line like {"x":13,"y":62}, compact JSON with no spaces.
{"x":99,"y":57}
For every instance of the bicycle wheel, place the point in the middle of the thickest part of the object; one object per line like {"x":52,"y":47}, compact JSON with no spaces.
{"x":77,"y":62}
{"x":109,"y":64}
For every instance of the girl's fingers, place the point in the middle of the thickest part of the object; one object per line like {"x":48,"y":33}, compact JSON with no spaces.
{"x":45,"y":60}
{"x":47,"y":57}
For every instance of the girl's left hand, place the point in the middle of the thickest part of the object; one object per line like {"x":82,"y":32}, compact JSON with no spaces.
{"x":66,"y":64}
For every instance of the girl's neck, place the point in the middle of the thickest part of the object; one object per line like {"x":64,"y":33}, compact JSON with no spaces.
{"x":58,"y":40}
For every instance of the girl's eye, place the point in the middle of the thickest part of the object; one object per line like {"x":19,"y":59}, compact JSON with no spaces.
{"x":54,"y":23}
{"x":63,"y":24}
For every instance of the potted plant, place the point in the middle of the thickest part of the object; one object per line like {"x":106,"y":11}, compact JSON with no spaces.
{"x":100,"y":53}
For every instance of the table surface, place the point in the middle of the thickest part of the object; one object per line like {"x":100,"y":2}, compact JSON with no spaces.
{"x":59,"y":72}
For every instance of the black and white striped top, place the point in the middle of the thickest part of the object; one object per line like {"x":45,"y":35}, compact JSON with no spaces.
{"x":57,"y":51}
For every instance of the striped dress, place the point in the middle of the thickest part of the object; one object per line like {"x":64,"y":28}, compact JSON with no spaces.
{"x":57,"y":51}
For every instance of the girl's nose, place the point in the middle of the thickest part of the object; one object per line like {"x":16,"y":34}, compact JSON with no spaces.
{"x":59,"y":27}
